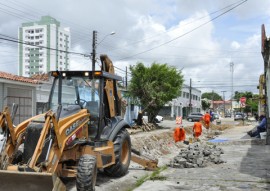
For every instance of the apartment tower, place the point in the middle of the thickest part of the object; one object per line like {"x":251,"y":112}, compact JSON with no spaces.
{"x":44,"y":47}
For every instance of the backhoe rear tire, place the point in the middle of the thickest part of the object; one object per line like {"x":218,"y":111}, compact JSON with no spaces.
{"x":122,"y":151}
{"x":86,"y":173}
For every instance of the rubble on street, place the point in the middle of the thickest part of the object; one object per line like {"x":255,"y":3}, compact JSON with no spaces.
{"x":197,"y":155}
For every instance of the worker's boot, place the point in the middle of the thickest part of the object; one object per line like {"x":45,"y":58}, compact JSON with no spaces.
{"x":249,"y":133}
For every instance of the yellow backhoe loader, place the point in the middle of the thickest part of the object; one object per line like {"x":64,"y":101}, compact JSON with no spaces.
{"x":80,"y":133}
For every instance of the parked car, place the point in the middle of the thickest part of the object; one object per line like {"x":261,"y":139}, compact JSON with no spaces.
{"x":194,"y":117}
{"x":239,"y":116}
{"x":158,"y":118}
{"x":215,"y":116}
{"x":228,"y":115}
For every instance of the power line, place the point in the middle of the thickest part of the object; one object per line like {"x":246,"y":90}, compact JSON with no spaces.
{"x":214,"y":12}
{"x":38,"y":46}
{"x":155,"y":47}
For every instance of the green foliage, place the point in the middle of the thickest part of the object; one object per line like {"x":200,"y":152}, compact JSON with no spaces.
{"x":238,"y":95}
{"x":205,"y":104}
{"x":252,"y":100}
{"x":153,"y":176}
{"x":212,"y":96}
{"x":154,"y":86}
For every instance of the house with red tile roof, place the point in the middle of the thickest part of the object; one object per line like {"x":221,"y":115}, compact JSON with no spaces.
{"x":19,"y":90}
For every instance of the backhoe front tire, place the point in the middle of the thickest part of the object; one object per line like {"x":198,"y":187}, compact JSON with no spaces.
{"x":86,"y":173}
{"x":122,"y":151}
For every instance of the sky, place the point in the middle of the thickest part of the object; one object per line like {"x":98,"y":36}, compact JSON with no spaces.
{"x":215,"y":43}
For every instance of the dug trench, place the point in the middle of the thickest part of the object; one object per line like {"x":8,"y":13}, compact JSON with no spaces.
{"x":157,"y":144}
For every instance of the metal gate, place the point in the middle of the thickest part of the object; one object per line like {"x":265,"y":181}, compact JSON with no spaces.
{"x":22,"y":97}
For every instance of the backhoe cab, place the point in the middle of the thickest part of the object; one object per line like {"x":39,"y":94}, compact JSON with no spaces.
{"x":82,"y":131}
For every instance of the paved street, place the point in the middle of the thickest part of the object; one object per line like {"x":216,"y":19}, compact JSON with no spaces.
{"x":247,"y":167}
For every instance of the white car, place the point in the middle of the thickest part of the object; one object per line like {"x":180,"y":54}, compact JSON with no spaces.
{"x":158,"y":118}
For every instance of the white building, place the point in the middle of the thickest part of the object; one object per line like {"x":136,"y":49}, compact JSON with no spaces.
{"x":45,"y":47}
{"x":181,"y":105}
{"x":184,"y":104}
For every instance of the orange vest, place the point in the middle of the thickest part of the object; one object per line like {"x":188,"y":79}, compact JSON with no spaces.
{"x":179,"y":134}
{"x":207,"y":117}
{"x":197,"y":127}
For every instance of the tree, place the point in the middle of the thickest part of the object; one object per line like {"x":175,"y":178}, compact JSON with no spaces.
{"x":205,"y":104}
{"x":212,"y":96}
{"x":154,"y":86}
{"x":252,"y":100}
{"x":238,"y":95}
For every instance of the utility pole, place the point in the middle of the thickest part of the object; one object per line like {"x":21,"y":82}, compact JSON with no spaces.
{"x":223,"y":103}
{"x":190,"y":105}
{"x":213,"y":100}
{"x":231,"y":69}
{"x":126,"y":78}
{"x":94,"y":45}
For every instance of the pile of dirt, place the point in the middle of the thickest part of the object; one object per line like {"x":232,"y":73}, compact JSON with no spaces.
{"x":197,"y":155}
{"x":154,"y":144}
{"x":160,"y":142}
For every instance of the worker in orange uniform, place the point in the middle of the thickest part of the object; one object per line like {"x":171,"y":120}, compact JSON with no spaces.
{"x":197,"y":129}
{"x":179,"y":134}
{"x":207,"y":119}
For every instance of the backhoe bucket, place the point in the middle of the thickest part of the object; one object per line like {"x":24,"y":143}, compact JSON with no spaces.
{"x":29,"y":181}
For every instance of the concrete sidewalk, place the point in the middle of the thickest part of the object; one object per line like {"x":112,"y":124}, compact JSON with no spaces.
{"x":247,"y":167}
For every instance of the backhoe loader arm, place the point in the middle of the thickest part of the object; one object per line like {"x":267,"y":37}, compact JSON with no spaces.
{"x":48,"y":117}
{"x":7,"y":125}
{"x":144,"y":161}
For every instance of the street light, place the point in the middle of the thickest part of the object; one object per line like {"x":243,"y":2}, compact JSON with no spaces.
{"x":94,"y":46}
{"x":112,"y":33}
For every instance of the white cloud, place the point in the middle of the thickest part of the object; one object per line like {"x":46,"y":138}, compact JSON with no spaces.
{"x":204,"y":54}
{"x":235,"y":45}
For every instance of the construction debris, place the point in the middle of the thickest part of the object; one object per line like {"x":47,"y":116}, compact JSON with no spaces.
{"x":145,"y":126}
{"x":197,"y":155}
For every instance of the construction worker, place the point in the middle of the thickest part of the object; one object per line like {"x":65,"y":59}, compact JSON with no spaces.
{"x":179,"y":134}
{"x":207,"y":119}
{"x":197,"y":129}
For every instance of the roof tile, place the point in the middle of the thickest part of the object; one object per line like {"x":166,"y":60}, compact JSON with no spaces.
{"x":13,"y":77}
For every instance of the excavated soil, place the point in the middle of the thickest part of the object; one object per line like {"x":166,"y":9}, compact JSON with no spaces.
{"x":157,"y":143}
